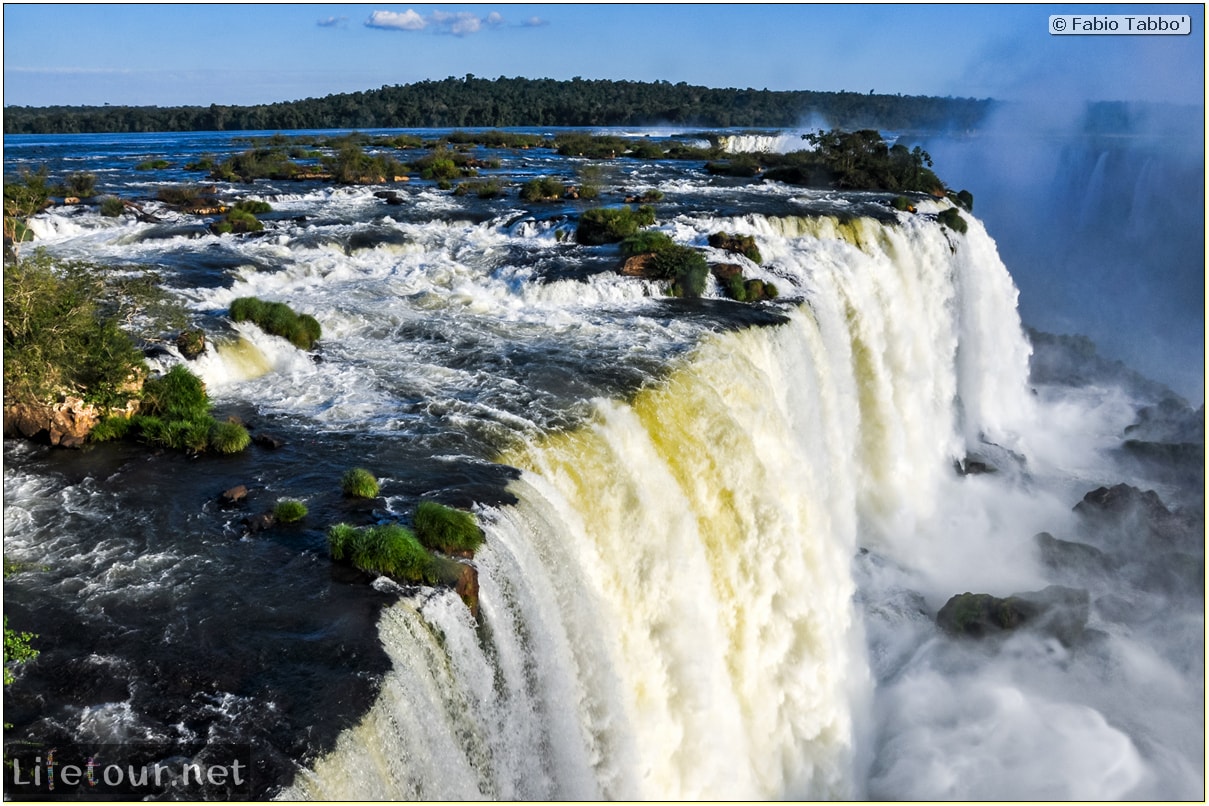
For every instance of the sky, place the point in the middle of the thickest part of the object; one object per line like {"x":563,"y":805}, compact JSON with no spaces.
{"x":173,"y":54}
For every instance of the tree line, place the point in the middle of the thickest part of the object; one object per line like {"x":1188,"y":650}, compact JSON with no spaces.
{"x":472,"y":102}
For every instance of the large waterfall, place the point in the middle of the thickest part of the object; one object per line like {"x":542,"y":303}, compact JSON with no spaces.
{"x":668,"y":612}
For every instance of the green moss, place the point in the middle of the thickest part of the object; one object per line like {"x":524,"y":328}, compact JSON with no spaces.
{"x":289,"y":510}
{"x":359,"y":483}
{"x":446,"y":529}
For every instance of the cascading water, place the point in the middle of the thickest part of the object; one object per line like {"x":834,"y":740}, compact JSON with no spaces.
{"x":717,"y":534}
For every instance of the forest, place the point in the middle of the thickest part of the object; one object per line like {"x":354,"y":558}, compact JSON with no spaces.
{"x":472,"y":102}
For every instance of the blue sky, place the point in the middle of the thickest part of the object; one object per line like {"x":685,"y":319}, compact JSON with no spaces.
{"x":175,"y":54}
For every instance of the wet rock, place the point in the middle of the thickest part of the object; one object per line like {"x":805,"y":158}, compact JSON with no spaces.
{"x":191,"y":343}
{"x":638,"y":265}
{"x":1056,"y":610}
{"x":259,"y":522}
{"x":467,"y":587}
{"x":974,"y":465}
{"x":268,"y":441}
{"x":234,"y":495}
{"x":65,"y":423}
{"x":1123,"y":513}
{"x":1072,"y":556}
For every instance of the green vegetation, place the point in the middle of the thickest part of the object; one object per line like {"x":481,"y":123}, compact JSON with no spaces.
{"x":489,"y":189}
{"x":603,"y":225}
{"x":392,"y":550}
{"x":645,"y":241}
{"x":952,"y":219}
{"x":741,"y":244}
{"x":112,"y":207}
{"x":277,"y":319}
{"x":684,"y":267}
{"x":228,"y":437}
{"x":858,"y":160}
{"x":289,"y":510}
{"x":545,"y":188}
{"x":17,"y":650}
{"x":238,"y":222}
{"x":257,"y":163}
{"x":81,"y":184}
{"x":61,"y":333}
{"x":965,"y":199}
{"x":359,"y":483}
{"x":752,"y":290}
{"x":902,"y":204}
{"x":254,"y":206}
{"x":153,"y":165}
{"x":446,"y":529}
{"x":24,"y":195}
{"x":740,"y":165}
{"x":352,"y":166}
{"x":472,"y":102}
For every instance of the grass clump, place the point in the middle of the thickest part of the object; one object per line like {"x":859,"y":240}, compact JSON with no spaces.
{"x":289,"y":510}
{"x":603,"y":225}
{"x":545,"y":188}
{"x":392,"y":550}
{"x":229,"y":437}
{"x":359,"y":483}
{"x":646,"y":241}
{"x":238,"y":221}
{"x":277,"y":319}
{"x":112,"y":207}
{"x":446,"y":529}
{"x":685,"y":267}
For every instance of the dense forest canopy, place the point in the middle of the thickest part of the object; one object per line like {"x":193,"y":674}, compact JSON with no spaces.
{"x":471,"y":102}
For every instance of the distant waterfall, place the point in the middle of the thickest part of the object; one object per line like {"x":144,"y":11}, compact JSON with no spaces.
{"x":668,"y":610}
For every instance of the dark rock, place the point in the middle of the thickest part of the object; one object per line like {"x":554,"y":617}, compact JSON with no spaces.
{"x":1125,"y":513}
{"x":1056,"y":610}
{"x":1072,"y":556}
{"x":259,"y":522}
{"x":191,"y":343}
{"x":725,"y":271}
{"x":974,"y":465}
{"x":234,"y":495}
{"x":268,"y":441}
{"x":639,"y":265}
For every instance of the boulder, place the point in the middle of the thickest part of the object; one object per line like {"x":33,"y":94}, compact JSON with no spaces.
{"x":724,"y":271}
{"x":268,"y":441}
{"x":638,"y":265}
{"x":1125,"y":513}
{"x":234,"y":495}
{"x":1071,"y":556}
{"x":467,"y":587}
{"x":1058,"y":611}
{"x":259,"y":522}
{"x":65,"y":423}
{"x":191,"y":343}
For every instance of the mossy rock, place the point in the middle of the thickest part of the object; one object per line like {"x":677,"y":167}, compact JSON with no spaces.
{"x":448,"y":530}
{"x":740,"y":244}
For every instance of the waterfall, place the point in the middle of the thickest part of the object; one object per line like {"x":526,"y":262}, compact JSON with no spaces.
{"x":668,"y":611}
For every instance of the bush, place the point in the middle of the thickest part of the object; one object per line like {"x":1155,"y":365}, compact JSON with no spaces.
{"x":23,"y":197}
{"x":952,"y":219}
{"x":545,"y":188}
{"x":153,"y":165}
{"x":289,"y":510}
{"x":902,"y":204}
{"x":359,"y":483}
{"x":229,"y":438}
{"x":684,"y":267}
{"x":109,"y":429}
{"x":603,"y":225}
{"x":741,"y":244}
{"x":277,"y":319}
{"x":644,"y":242}
{"x":238,"y":221}
{"x":81,"y":184}
{"x":966,"y":199}
{"x":446,"y":529}
{"x":112,"y":207}
{"x":254,"y":206}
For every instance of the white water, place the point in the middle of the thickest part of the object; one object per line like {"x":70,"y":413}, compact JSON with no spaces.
{"x":669,"y":610}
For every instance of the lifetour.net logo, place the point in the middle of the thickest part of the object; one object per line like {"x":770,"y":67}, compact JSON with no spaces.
{"x":75,"y":772}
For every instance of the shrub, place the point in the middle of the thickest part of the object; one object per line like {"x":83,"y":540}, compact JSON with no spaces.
{"x":359,"y":483}
{"x":645,"y":241}
{"x":258,"y":163}
{"x":81,"y":184}
{"x":741,"y":244}
{"x":254,"y":206}
{"x":589,"y":191}
{"x":446,"y":529}
{"x":966,"y":199}
{"x":23,"y":196}
{"x":277,"y":319}
{"x":901,"y":203}
{"x":545,"y":188}
{"x":603,"y":225}
{"x":112,"y":207}
{"x":17,"y":650}
{"x":180,"y":195}
{"x":484,"y":190}
{"x":952,"y":219}
{"x":152,"y":165}
{"x":684,"y":267}
{"x":229,"y":438}
{"x":238,"y":221}
{"x":109,"y":429}
{"x":289,"y":510}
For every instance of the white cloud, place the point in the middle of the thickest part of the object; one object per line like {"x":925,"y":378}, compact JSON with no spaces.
{"x":458,"y":23}
{"x":408,"y":20}
{"x":332,"y":22}
{"x":534,"y":22}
